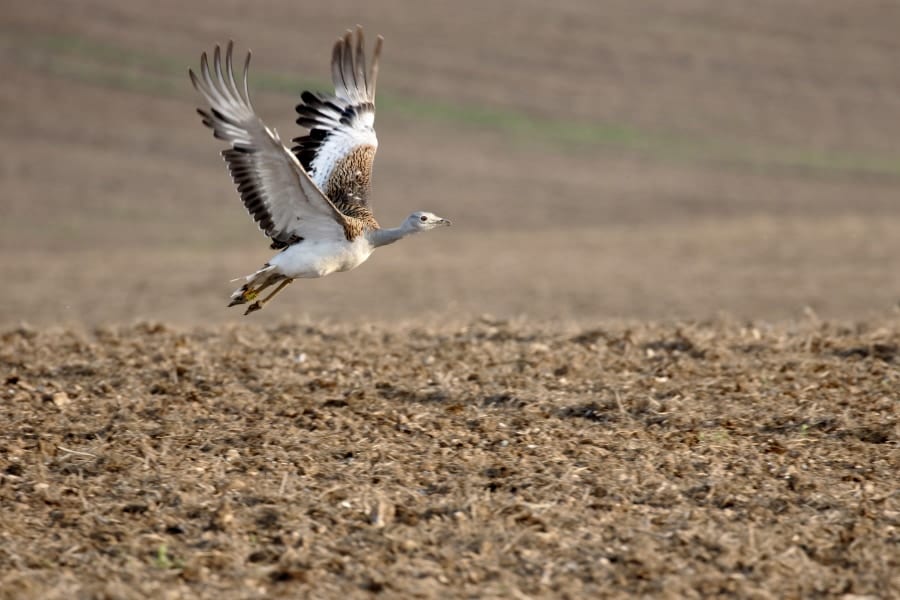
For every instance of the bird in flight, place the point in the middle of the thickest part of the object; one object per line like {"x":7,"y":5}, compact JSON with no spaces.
{"x":312,"y":200}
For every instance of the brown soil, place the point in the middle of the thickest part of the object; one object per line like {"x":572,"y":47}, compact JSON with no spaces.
{"x":493,"y":459}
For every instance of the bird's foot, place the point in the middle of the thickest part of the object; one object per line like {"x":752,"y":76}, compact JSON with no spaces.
{"x":245,"y":296}
{"x":253,"y":307}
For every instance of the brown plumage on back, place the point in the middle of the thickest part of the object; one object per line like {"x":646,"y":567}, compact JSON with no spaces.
{"x":349,"y":184}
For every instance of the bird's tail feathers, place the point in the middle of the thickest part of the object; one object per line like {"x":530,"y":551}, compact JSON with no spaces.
{"x":254,"y":284}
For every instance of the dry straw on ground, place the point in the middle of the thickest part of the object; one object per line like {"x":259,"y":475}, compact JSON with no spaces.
{"x":489,"y":459}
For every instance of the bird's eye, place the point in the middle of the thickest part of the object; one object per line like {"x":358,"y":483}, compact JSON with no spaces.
{"x":423,"y":218}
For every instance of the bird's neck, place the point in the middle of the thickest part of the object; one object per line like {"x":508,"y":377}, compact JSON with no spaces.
{"x":383,"y":237}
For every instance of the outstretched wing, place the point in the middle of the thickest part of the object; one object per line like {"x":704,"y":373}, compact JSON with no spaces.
{"x":340,"y":148}
{"x":277,"y":192}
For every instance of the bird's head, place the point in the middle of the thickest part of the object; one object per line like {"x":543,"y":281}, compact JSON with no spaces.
{"x":423,"y":221}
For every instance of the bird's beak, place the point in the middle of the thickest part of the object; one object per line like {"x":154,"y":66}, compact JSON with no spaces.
{"x":446,"y":222}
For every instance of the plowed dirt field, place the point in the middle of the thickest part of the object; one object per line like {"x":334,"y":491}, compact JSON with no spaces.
{"x":490,"y":459}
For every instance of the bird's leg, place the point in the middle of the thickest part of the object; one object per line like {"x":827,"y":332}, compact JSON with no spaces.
{"x":259,"y":303}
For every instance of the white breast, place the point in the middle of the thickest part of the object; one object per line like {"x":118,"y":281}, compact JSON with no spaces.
{"x":310,"y":259}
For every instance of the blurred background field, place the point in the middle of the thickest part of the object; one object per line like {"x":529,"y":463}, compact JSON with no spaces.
{"x":650,"y":160}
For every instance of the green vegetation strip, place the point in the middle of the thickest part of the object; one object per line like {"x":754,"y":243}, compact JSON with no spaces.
{"x":103,"y":64}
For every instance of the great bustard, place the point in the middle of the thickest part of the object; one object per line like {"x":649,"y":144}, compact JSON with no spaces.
{"x":312,"y":200}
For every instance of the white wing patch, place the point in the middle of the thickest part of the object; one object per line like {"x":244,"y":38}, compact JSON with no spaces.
{"x":346,"y":128}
